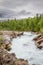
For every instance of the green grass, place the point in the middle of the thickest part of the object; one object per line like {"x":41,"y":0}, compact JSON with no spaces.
{"x":1,"y":38}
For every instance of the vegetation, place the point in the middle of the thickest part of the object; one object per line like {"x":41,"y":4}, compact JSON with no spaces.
{"x":2,"y":45}
{"x":34,"y":24}
{"x":1,"y":38}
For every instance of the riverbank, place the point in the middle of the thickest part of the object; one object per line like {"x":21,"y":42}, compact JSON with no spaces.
{"x":10,"y":59}
{"x":24,"y":47}
{"x":12,"y":34}
{"x":5,"y":45}
{"x":20,"y":39}
{"x":6,"y":38}
{"x":39,"y":41}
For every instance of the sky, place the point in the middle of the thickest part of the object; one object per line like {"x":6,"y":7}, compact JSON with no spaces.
{"x":20,"y":8}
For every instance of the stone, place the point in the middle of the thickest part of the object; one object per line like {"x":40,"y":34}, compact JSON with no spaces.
{"x":21,"y":62}
{"x":10,"y":58}
{"x":39,"y":41}
{"x":5,"y":42}
{"x":36,"y":38}
{"x":12,"y":34}
{"x":6,"y":58}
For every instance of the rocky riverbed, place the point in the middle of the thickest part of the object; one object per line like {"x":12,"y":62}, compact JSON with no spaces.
{"x":23,"y":46}
{"x":6,"y":38}
{"x":10,"y":59}
{"x":5,"y":45}
{"x":12,"y":34}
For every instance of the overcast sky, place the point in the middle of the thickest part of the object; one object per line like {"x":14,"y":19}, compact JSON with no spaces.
{"x":20,"y":8}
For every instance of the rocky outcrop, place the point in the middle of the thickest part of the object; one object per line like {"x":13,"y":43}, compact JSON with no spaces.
{"x":39,"y":41}
{"x":6,"y":37}
{"x":15,"y":34}
{"x":6,"y":58}
{"x":21,"y":62}
{"x":37,"y":37}
{"x":5,"y":42}
{"x":12,"y":34}
{"x":10,"y":59}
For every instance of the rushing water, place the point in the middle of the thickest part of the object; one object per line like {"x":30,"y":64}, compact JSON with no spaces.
{"x":24,"y":47}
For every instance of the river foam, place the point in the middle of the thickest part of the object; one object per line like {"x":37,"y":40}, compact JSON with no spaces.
{"x":24,"y":47}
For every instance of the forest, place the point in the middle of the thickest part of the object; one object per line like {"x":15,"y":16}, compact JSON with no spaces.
{"x":34,"y":24}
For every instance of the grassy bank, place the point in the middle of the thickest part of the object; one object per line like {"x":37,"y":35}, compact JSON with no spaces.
{"x":30,"y":24}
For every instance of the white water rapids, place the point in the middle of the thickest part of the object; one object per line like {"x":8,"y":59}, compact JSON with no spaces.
{"x":24,"y":47}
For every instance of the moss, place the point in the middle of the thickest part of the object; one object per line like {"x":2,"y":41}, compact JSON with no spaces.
{"x":1,"y":38}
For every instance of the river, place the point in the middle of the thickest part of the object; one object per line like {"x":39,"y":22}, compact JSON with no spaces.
{"x":24,"y":47}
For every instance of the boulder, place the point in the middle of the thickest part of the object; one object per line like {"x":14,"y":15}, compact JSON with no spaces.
{"x":20,"y":33}
{"x":6,"y":58}
{"x":39,"y":41}
{"x":12,"y":34}
{"x":40,"y":46}
{"x":37,"y":37}
{"x":17,"y":33}
{"x":21,"y":62}
{"x":10,"y":58}
{"x":5,"y":42}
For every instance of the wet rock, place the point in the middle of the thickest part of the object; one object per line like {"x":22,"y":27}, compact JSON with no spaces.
{"x":6,"y":58}
{"x":40,"y":46}
{"x":36,"y":38}
{"x":21,"y":62}
{"x":16,"y":33}
{"x":39,"y":41}
{"x":12,"y":34}
{"x":20,"y":33}
{"x":7,"y":37}
{"x":10,"y":59}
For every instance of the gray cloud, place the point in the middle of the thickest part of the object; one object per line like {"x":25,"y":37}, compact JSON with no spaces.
{"x":7,"y":14}
{"x":23,"y":12}
{"x":15,"y":8}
